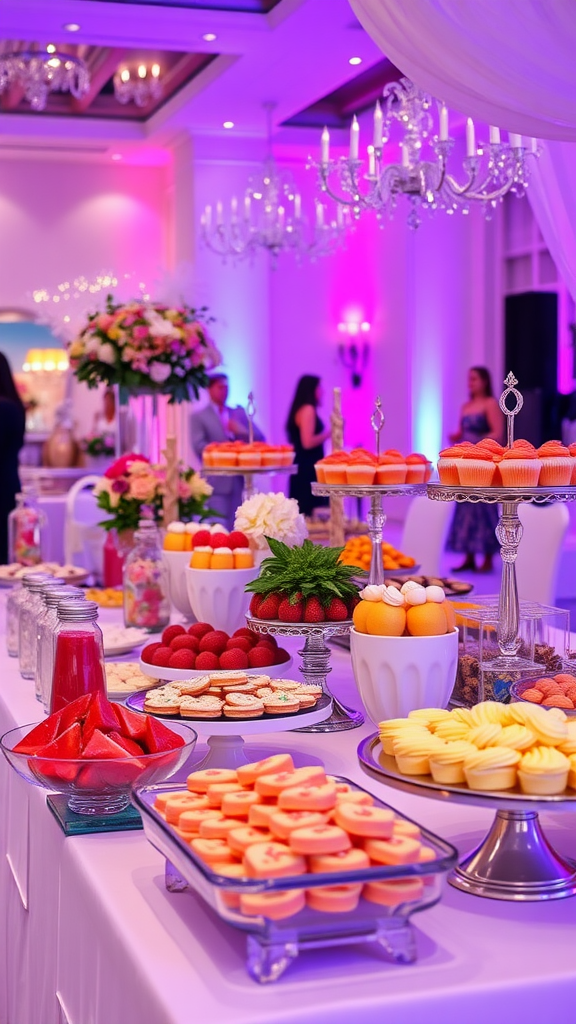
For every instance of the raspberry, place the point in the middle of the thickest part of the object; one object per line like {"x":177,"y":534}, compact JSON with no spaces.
{"x":255,"y":603}
{"x":239,"y":643}
{"x":313,"y":611}
{"x":260,"y":656}
{"x":288,"y":612}
{"x":207,"y":662}
{"x":281,"y":656}
{"x":149,"y":652}
{"x":199,"y":629}
{"x":268,"y":608}
{"x":234,"y":659}
{"x":161,"y":657}
{"x":248,"y":634}
{"x":219,"y":540}
{"x":182,"y":659}
{"x":201,"y":538}
{"x":170,"y":632}
{"x":215,"y":642}
{"x":185,"y":643}
{"x":237,"y":539}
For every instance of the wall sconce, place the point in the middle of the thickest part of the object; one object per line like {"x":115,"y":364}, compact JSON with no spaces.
{"x":354,"y":351}
{"x":45,"y":360}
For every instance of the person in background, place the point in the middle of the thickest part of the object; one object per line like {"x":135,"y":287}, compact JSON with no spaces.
{"x":307,"y":433}
{"x":472,"y":531}
{"x":12,"y":426}
{"x":105,"y":420}
{"x":221,"y":422}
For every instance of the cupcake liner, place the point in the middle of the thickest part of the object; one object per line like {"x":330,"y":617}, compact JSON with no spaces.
{"x":415,"y":473}
{"x":360,"y":475}
{"x":555,"y":472}
{"x":391,"y":474}
{"x":320,"y":473}
{"x":573,"y":464}
{"x":492,"y":778}
{"x":520,"y":472}
{"x":543,"y":783}
{"x":335,"y":474}
{"x":476,"y":472}
{"x":448,"y":472}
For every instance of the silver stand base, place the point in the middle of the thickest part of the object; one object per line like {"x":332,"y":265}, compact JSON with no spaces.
{"x":515,"y":862}
{"x":341,"y":720}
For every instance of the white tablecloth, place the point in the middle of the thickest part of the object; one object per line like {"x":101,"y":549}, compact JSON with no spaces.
{"x":89,"y":934}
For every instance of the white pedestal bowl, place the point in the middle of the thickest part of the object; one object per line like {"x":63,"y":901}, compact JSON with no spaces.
{"x":176,"y":563}
{"x":398,"y":674}
{"x":217,"y":596}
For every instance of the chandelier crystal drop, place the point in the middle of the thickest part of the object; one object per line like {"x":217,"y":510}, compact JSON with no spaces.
{"x":140,"y":85}
{"x":490,"y":170}
{"x":40,"y":72}
{"x":270,"y":217}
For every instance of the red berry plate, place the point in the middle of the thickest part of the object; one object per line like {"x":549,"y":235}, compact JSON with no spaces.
{"x":170,"y":674}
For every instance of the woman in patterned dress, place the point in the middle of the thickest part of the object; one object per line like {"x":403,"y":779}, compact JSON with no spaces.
{"x":472,"y":531}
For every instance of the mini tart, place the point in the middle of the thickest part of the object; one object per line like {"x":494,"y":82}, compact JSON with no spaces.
{"x":476,"y":468}
{"x":447,"y":764}
{"x":556,"y":464}
{"x":543,"y":771}
{"x":520,"y":467}
{"x":448,"y":466}
{"x":416,"y":468}
{"x":391,"y":469}
{"x":493,"y":768}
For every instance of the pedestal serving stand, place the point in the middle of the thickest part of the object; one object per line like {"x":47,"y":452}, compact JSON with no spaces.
{"x":509,"y":534}
{"x":514,"y":861}
{"x":248,"y":473}
{"x":315,"y":664}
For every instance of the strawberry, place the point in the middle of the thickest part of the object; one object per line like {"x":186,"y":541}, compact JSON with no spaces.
{"x":215,"y":642}
{"x":219,"y":540}
{"x":201,"y":538}
{"x":182,"y":659}
{"x":261,"y":656}
{"x":199,"y":629}
{"x":170,"y":632}
{"x":336,"y":610}
{"x":255,"y":604}
{"x":280,"y":656}
{"x":239,"y":643}
{"x":313,"y":612}
{"x":234,"y":659}
{"x":149,"y":652}
{"x":161,"y":657}
{"x":207,"y":662}
{"x":289,"y":611}
{"x":268,"y":608}
{"x":237,"y":539}
{"x":185,"y":643}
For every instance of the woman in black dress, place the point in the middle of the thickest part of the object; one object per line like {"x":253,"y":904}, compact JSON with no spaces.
{"x":307,"y":433}
{"x":12,"y":424}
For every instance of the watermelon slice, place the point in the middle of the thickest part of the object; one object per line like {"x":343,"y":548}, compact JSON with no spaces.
{"x":39,"y":736}
{"x":101,"y":746}
{"x":64,"y":748}
{"x":100,"y":717}
{"x":129,"y":745}
{"x":75,"y":711}
{"x":159,"y":737}
{"x":131,"y":723}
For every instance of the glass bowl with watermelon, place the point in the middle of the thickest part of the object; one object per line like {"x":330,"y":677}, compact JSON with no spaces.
{"x":94,"y":751}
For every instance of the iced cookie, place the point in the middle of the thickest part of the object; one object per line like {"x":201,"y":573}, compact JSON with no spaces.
{"x":360,"y":820}
{"x":272,"y":860}
{"x":274,"y":905}
{"x":316,"y":839}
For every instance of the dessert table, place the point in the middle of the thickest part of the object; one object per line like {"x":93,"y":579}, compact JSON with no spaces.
{"x":89,"y":935}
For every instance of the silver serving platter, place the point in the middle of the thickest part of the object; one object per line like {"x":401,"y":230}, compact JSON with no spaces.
{"x":246,"y":470}
{"x":500,"y":495}
{"x":277,"y":628}
{"x":367,"y":491}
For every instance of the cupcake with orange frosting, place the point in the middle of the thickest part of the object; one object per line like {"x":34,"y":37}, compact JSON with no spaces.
{"x":448,"y":465}
{"x":287,"y":454}
{"x":361,"y":468}
{"x":572,"y":451}
{"x":556,"y":464}
{"x":335,"y":466}
{"x":497,"y":451}
{"x":520,"y":466}
{"x":391,"y":468}
{"x":476,"y":467}
{"x":418,"y":468}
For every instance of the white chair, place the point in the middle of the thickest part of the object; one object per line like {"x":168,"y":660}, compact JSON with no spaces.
{"x":538,"y":558}
{"x":83,"y":538}
{"x":425,"y":531}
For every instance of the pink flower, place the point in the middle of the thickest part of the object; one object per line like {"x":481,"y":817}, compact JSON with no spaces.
{"x":104,"y":321}
{"x":143,"y":488}
{"x":122,"y":465}
{"x":184,"y":489}
{"x":140,"y":332}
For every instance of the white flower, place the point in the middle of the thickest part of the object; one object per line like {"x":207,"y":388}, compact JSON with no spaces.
{"x":160,"y":372}
{"x":199,"y":487}
{"x":271,"y":515}
{"x":106,"y":353}
{"x":159,"y":327}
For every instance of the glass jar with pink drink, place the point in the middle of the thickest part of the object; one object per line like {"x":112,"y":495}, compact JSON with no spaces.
{"x":146,"y":602}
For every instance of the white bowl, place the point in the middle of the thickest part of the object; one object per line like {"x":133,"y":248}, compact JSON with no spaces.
{"x":176,"y":563}
{"x":398,"y":674}
{"x":217,"y":596}
{"x":170,"y":675}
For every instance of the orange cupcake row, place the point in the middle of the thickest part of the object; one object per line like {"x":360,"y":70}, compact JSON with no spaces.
{"x":489,"y":464}
{"x":361,"y":468}
{"x":227,"y":454}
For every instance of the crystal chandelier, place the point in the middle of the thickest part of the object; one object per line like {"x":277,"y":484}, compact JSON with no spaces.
{"x":142,"y":86}
{"x":271,"y":218}
{"x":491,"y":170}
{"x":40,"y":72}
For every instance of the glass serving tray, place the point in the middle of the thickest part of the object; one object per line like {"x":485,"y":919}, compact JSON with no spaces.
{"x":272,"y":945}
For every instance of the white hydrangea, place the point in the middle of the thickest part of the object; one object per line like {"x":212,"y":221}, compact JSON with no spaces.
{"x":271,"y":515}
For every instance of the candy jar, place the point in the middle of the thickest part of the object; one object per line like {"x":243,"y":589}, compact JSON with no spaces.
{"x":146,"y":602}
{"x":46,"y":646}
{"x":29,"y":610}
{"x":26,"y":525}
{"x":79,"y":657}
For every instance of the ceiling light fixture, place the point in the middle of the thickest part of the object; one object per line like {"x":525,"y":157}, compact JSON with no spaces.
{"x":355,"y":60}
{"x":71,"y":27}
{"x":140,"y":84}
{"x":116,"y":156}
{"x":270,"y":217}
{"x":491,"y":170}
{"x":228,"y":124}
{"x":209,"y":37}
{"x":40,"y":72}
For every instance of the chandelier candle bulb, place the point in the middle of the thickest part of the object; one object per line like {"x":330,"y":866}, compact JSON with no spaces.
{"x":219,"y":213}
{"x":378,"y":122}
{"x":354,"y":139}
{"x":405,"y":156}
{"x":494,"y":136}
{"x":443,"y":135}
{"x":234,"y":209}
{"x":281,"y":217}
{"x":470,"y":138}
{"x":319,"y":215}
{"x":371,"y":162}
{"x":515,"y":140}
{"x":297,"y":206}
{"x":208,"y":216}
{"x":325,"y":141}
{"x":247,"y":207}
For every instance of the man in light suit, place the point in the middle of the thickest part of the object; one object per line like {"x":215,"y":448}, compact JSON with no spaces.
{"x":219,"y":422}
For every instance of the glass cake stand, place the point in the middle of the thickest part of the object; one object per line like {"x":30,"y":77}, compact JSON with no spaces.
{"x":514,"y":861}
{"x":315,"y":664}
{"x":248,"y":472}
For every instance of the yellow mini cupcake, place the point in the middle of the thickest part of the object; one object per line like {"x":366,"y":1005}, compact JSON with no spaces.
{"x":222,"y":558}
{"x":243,"y":558}
{"x":490,"y":711}
{"x":572,"y":775}
{"x":413,"y":752}
{"x":201,"y":557}
{"x":175,"y":538}
{"x":447,"y":764}
{"x":493,"y":768}
{"x":543,"y":771}
{"x":450,"y":730}
{"x":517,"y":737}
{"x":398,"y":727}
{"x":429,"y":717}
{"x":486,"y":735}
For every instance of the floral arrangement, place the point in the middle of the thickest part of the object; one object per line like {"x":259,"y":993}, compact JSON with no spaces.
{"x":132,"y":489}
{"x":271,"y":515}
{"x":98,"y":445}
{"x":146,"y":346}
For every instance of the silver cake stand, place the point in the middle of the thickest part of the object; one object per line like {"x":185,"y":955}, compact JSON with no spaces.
{"x":514,"y":861}
{"x":315,"y":664}
{"x":248,"y":472}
